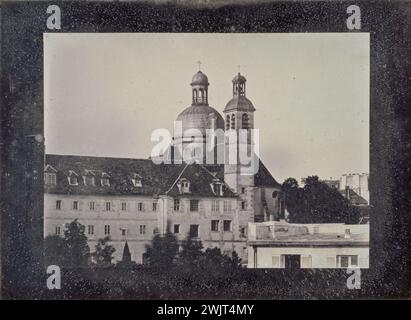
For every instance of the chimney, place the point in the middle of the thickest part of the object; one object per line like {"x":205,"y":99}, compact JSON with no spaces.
{"x":347,"y":234}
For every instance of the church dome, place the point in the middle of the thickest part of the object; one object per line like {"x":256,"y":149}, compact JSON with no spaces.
{"x":199,"y":79}
{"x":200,"y":117}
{"x":240,"y":103}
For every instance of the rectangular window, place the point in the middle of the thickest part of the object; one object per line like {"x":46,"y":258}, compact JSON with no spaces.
{"x":140,"y":206}
{"x":75,"y":205}
{"x":91,"y":205}
{"x":243,"y":205}
{"x":136,"y":182}
{"x":227,"y":225}
{"x":58,"y":230}
{"x":50,"y":178}
{"x":176,"y":204}
{"x":142,"y":229}
{"x":90,"y":229}
{"x":217,"y":189}
{"x":215,"y":205}
{"x":176,"y":228}
{"x":107,"y":229}
{"x":58,"y":204}
{"x":347,"y":261}
{"x":105,"y":182}
{"x":108,"y":206}
{"x":193,"y":205}
{"x":214,"y":225}
{"x":242,"y":190}
{"x":124,"y":206}
{"x":154,"y":206}
{"x":194,"y":230}
{"x":88,"y":180}
{"x":123,"y":232}
{"x":227,"y":205}
{"x":242,"y":232}
{"x":73,"y":181}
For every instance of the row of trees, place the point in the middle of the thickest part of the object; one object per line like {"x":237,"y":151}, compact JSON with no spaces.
{"x":316,"y":202}
{"x":171,"y":268}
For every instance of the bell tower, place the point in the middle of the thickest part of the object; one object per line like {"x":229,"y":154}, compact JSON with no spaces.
{"x":239,"y":145}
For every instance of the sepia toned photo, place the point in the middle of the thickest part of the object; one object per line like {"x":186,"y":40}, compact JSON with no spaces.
{"x":164,"y":151}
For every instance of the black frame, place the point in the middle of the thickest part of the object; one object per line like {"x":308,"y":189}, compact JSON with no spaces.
{"x":389,"y":25}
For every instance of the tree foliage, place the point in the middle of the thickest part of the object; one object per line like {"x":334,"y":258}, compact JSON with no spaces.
{"x":54,"y":249}
{"x":77,"y":250}
{"x":161,"y":253}
{"x":103,"y":256}
{"x":71,"y":250}
{"x":316,"y":202}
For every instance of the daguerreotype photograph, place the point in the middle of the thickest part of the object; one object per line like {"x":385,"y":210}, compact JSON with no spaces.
{"x":204,"y":159}
{"x":252,"y":149}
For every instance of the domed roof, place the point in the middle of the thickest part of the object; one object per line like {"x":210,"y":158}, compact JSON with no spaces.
{"x":199,"y":117}
{"x":240,"y":103}
{"x":239,"y":78}
{"x":199,"y":79}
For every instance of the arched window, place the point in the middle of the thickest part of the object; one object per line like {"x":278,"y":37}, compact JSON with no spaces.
{"x":200,"y":95}
{"x":195,"y":95}
{"x":227,"y":122}
{"x":242,"y":89}
{"x":244,"y":122}
{"x":233,"y":121}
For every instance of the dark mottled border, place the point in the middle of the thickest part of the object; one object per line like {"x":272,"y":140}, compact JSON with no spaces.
{"x":389,"y":24}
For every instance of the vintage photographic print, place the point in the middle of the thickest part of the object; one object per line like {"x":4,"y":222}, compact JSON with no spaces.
{"x":265,"y":162}
{"x":204,"y":154}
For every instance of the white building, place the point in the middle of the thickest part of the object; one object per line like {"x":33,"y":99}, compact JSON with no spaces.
{"x":284,"y":245}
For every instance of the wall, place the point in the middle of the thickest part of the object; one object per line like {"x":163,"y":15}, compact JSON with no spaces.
{"x":273,"y":209}
{"x":321,"y":257}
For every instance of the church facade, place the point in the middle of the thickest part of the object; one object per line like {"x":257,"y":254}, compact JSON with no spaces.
{"x":131,"y":200}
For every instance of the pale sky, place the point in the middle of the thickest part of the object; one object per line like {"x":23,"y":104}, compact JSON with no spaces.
{"x":105,"y":93}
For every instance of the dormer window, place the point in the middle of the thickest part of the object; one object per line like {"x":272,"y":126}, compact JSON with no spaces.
{"x":137,"y":180}
{"x":89,"y":178}
{"x":72,"y":178}
{"x":50,"y":175}
{"x":50,"y":178}
{"x":105,"y":180}
{"x":217,"y":187}
{"x":183,"y":186}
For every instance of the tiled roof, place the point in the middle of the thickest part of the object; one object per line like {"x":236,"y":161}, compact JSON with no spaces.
{"x":155,"y":179}
{"x":201,"y":179}
{"x":263,"y":178}
{"x":121,"y":171}
{"x":240,"y":103}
